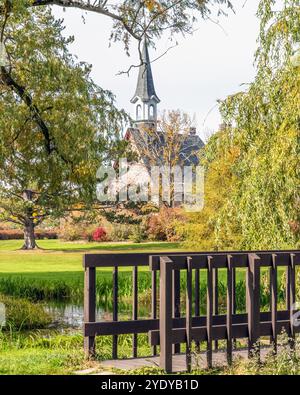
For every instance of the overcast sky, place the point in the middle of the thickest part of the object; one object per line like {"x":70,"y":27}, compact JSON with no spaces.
{"x":207,"y":66}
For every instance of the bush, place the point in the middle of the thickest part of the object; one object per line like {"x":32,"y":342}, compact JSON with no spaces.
{"x":72,"y":231}
{"x":100,"y":234}
{"x":138,"y":234}
{"x":22,"y":314}
{"x":162,"y":226}
{"x":18,"y":234}
{"x":121,"y":232}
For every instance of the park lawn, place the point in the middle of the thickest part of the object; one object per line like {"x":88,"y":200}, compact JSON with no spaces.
{"x":55,"y":271}
{"x":62,"y":257}
{"x":62,"y":261}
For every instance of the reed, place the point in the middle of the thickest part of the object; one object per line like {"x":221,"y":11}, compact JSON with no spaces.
{"x":21,"y":314}
{"x":70,"y":288}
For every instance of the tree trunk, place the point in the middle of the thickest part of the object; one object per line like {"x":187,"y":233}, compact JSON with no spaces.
{"x":29,"y":236}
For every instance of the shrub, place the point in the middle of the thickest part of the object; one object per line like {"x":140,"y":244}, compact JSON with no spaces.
{"x":73,"y":230}
{"x":121,"y":232}
{"x":138,"y":234}
{"x":70,"y":231}
{"x":22,"y":314}
{"x":162,"y":226}
{"x":100,"y":234}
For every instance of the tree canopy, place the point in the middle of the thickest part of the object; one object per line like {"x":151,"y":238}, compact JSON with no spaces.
{"x":57,"y":126}
{"x":252,"y":180}
{"x":138,"y":19}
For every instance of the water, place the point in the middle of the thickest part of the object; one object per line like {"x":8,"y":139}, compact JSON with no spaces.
{"x":71,"y":315}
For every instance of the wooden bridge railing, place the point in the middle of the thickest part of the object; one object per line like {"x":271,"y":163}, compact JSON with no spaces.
{"x":171,"y":327}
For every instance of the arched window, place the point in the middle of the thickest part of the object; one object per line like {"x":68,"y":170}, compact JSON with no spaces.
{"x":151,"y":111}
{"x":138,"y":111}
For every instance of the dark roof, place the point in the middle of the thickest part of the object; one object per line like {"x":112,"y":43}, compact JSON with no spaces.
{"x":188,"y":153}
{"x":145,"y":86}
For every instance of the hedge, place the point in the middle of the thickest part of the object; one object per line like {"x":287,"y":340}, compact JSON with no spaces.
{"x":18,"y":234}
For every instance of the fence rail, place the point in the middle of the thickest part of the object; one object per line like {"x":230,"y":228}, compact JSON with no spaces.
{"x":171,"y":324}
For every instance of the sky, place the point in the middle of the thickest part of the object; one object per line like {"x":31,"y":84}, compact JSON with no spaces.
{"x":209,"y":65}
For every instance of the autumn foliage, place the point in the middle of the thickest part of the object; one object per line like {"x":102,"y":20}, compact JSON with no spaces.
{"x":99,"y":234}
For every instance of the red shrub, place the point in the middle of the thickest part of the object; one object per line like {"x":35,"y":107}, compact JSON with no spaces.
{"x":99,"y":234}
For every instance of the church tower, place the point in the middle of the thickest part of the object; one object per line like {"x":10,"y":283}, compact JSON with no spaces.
{"x":145,"y":99}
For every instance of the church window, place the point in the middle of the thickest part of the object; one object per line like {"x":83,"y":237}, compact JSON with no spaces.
{"x":151,"y":111}
{"x":139,"y":112}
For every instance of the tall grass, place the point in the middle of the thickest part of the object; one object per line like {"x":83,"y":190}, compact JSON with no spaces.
{"x":70,"y":289}
{"x":21,"y":314}
{"x":285,"y":362}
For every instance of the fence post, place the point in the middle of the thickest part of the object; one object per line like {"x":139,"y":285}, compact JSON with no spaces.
{"x":135,"y":309}
{"x":165,"y":314}
{"x":291,"y":282}
{"x":209,"y":310}
{"x":176,"y":302}
{"x":216,"y":299}
{"x":154,"y":301}
{"x":189,"y":302}
{"x":89,"y":307}
{"x":229,"y":308}
{"x":115,"y":310}
{"x":234,"y":343}
{"x":197,"y":301}
{"x":253,"y":303}
{"x":273,"y":277}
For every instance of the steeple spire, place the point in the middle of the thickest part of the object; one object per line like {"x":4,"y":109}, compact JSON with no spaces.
{"x":145,"y":98}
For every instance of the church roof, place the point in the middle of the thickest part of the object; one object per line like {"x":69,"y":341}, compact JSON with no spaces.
{"x":188,"y":153}
{"x":145,"y":86}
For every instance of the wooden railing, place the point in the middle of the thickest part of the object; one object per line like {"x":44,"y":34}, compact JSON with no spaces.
{"x":168,"y":327}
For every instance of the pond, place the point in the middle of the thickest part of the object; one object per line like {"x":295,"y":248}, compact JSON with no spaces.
{"x":71,"y":315}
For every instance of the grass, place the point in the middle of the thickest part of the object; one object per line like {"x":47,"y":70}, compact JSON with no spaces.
{"x":21,"y":314}
{"x":60,"y":257}
{"x":39,"y":361}
{"x":41,"y":353}
{"x":55,"y":271}
{"x":62,"y":354}
{"x":58,"y":245}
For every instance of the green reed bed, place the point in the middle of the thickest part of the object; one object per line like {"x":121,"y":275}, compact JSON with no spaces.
{"x":21,"y":314}
{"x":69,"y":288}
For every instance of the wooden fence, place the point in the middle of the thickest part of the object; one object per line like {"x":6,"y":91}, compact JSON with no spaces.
{"x":168,"y":327}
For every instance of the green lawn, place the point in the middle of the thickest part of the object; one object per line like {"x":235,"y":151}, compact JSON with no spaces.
{"x":56,"y":256}
{"x":55,"y":271}
{"x":58,"y":245}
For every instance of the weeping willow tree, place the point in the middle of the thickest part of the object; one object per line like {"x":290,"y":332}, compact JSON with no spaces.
{"x":252,"y":164}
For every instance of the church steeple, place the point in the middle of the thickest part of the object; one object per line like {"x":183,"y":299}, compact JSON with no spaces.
{"x":145,"y":98}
